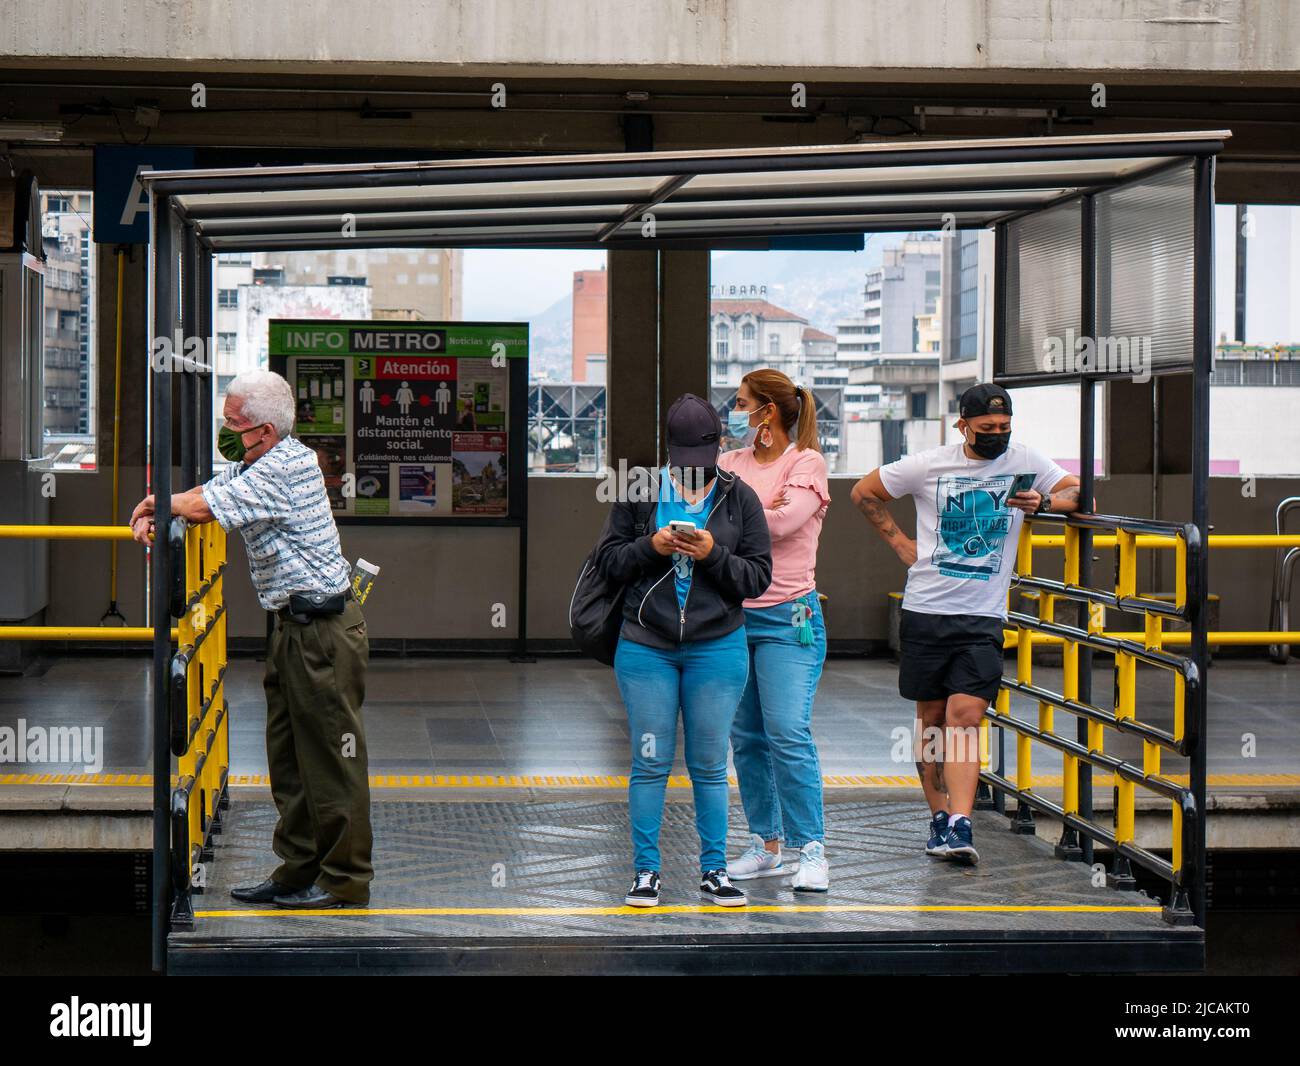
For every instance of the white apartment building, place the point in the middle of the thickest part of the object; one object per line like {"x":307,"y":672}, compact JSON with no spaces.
{"x":902,"y":289}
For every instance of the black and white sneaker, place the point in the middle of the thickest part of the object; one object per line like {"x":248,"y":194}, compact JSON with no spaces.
{"x":717,"y":886}
{"x":645,"y":890}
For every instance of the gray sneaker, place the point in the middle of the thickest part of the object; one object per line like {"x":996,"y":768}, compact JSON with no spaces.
{"x":757,"y":861}
{"x":814,"y":871}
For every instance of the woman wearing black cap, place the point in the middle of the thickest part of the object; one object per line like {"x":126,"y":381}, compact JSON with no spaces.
{"x":682,"y":644}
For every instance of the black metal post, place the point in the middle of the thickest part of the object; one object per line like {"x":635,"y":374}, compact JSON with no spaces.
{"x":517,"y":379}
{"x":189,"y":382}
{"x":521,"y":643}
{"x":163,"y":310}
{"x":1202,"y":360}
{"x":1239,"y":310}
{"x":207,"y":380}
{"x":1072,"y":845}
{"x":984,"y":793}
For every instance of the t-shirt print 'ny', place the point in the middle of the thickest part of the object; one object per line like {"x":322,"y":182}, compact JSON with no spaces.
{"x":966,"y":532}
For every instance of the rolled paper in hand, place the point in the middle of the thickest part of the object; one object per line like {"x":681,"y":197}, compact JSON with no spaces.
{"x":363,"y":579}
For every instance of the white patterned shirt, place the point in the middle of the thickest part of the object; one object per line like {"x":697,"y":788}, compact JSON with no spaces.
{"x":278,"y":503}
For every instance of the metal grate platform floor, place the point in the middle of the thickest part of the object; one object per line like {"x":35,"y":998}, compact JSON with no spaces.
{"x":504,"y":886}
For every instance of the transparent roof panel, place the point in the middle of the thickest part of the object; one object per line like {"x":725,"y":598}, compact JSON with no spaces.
{"x":730,"y":192}
{"x":1067,"y":174}
{"x":999,"y":200}
{"x":430,"y":233}
{"x":507,"y":213}
{"x":200,"y":204}
{"x":829,"y":222}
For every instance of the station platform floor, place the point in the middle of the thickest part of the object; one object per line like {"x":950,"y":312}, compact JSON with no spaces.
{"x":534,"y":884}
{"x":502,"y":843}
{"x":562,"y":717}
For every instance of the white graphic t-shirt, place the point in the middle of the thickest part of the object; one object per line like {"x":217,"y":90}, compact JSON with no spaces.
{"x":966,"y":532}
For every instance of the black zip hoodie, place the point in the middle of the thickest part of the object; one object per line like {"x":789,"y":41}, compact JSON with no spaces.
{"x":738,"y":568}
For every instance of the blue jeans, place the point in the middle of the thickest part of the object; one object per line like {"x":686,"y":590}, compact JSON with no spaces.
{"x":772,"y":744}
{"x":704,"y":679}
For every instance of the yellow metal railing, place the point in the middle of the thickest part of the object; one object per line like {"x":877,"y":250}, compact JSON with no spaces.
{"x":1127,"y":564}
{"x":106,"y":634}
{"x":1149,"y":647}
{"x":199,"y":713}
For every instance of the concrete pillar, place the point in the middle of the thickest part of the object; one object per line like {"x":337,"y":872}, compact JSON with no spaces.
{"x":632,"y":373}
{"x":684,"y":327}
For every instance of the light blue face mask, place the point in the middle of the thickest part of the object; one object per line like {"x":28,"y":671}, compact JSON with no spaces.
{"x":740,"y":434}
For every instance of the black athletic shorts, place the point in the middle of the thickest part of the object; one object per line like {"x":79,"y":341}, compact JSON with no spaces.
{"x":946,"y":654}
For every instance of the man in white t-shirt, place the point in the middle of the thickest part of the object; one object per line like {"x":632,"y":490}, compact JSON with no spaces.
{"x":970,"y":500}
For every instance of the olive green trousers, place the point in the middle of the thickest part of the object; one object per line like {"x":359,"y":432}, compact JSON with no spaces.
{"x":316,"y":750}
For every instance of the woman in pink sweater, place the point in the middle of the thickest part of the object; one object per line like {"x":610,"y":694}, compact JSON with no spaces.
{"x":773,"y":433}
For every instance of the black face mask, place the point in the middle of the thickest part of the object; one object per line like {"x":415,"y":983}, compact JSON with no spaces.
{"x":990,"y":445}
{"x":696,"y":477}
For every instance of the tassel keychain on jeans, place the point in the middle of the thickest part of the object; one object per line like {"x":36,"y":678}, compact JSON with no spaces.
{"x":801,"y":619}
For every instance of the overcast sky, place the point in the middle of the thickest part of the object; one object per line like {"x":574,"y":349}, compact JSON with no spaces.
{"x":509,"y":284}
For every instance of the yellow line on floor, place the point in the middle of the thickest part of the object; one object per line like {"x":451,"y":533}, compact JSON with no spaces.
{"x":763,"y":908}
{"x":425,"y":781}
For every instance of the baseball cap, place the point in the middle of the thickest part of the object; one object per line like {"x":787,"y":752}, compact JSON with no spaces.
{"x":985,"y":399}
{"x":694,"y":432}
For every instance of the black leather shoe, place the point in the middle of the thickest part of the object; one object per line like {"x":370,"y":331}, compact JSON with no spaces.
{"x":312,"y":898}
{"x":263,"y":893}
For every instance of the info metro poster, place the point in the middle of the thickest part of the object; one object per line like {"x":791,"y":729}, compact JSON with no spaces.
{"x":407,"y":418}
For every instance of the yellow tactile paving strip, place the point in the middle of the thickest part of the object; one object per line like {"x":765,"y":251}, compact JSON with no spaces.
{"x":777,"y":908}
{"x":434,"y":781}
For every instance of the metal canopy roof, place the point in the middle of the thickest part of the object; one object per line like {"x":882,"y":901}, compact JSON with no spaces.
{"x":748,"y":194}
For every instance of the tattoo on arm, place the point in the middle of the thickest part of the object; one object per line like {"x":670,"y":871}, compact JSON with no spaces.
{"x":878,"y":515}
{"x":1068,"y":496}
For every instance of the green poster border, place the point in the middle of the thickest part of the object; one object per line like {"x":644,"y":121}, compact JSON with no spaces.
{"x":516,"y":426}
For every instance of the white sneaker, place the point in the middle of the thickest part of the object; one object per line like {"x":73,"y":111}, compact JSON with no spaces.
{"x":757,"y":861}
{"x":813,"y":874}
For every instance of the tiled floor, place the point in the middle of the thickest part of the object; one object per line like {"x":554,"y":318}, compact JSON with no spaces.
{"x":536,"y":886}
{"x":570,"y":858}
{"x":564,"y":716}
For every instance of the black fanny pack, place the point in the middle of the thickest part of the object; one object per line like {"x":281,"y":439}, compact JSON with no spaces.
{"x":304,"y":606}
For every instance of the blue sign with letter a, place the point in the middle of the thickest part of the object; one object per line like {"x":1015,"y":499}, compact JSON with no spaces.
{"x":121,"y":204}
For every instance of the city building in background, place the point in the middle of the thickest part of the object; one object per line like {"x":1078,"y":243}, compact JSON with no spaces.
{"x":249,"y":295}
{"x":423,"y":284}
{"x":69,"y":329}
{"x":419,"y":285}
{"x":749,"y":334}
{"x":930,"y":296}
{"x":902,"y":289}
{"x":590,"y":326}
{"x":966,"y":316}
{"x":1256,"y":375}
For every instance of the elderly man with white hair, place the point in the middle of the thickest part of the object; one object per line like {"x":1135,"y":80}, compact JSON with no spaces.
{"x":273,"y":492}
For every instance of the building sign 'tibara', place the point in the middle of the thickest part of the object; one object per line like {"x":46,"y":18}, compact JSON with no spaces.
{"x":728,"y":292}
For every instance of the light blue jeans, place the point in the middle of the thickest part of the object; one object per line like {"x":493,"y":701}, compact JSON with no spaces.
{"x":704,"y":680}
{"x":772,"y":743}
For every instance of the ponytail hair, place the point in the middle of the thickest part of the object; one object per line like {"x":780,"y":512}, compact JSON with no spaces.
{"x":794,"y":404}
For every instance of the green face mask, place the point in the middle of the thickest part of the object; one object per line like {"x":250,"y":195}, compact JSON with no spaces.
{"x":230,"y":443}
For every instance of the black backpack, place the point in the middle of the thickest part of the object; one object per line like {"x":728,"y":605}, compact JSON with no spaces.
{"x":596,"y":608}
